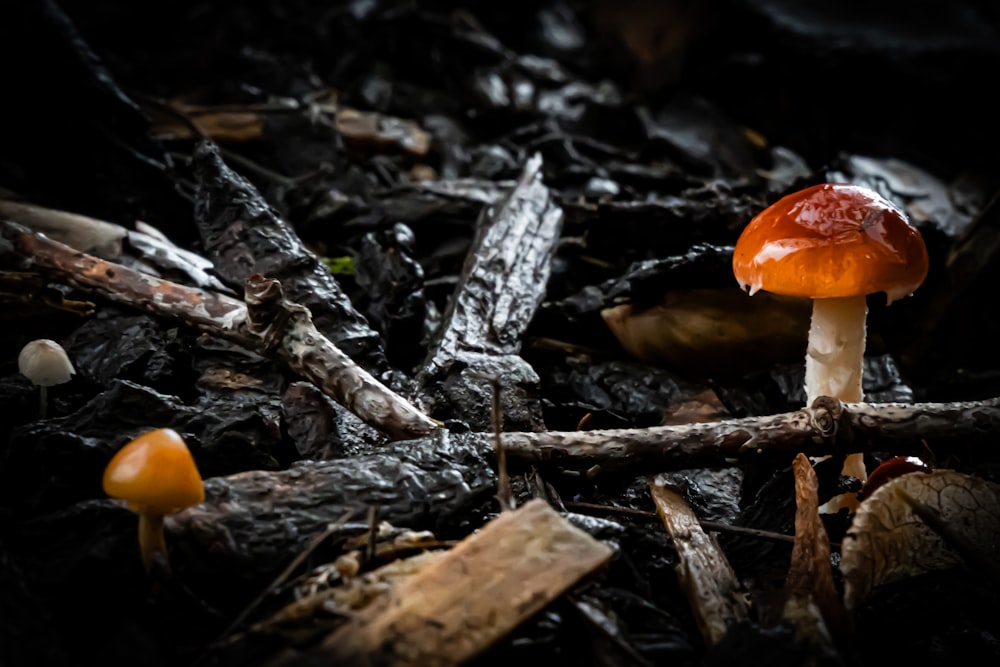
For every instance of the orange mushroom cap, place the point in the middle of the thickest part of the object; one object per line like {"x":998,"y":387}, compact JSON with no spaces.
{"x":155,"y":473}
{"x":831,"y":240}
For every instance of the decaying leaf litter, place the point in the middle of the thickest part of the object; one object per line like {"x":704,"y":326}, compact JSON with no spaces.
{"x":318,"y":258}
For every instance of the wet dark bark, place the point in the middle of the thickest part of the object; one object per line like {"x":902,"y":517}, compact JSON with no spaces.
{"x":502,"y":283}
{"x":253,"y":522}
{"x":243,"y":235}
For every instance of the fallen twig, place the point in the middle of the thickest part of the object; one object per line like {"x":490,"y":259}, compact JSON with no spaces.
{"x":828,"y":427}
{"x":278,"y":325}
{"x":142,"y":245}
{"x":287,"y":328}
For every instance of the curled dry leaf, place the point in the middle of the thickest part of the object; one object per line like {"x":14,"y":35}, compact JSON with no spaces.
{"x":888,"y":542}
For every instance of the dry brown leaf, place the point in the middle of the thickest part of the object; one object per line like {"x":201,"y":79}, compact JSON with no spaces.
{"x":654,"y":36}
{"x":368,"y":130}
{"x":888,"y":542}
{"x":721,"y":331}
{"x":228,"y":125}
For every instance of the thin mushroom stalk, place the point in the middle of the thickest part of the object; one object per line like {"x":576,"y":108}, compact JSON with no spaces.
{"x":43,"y":402}
{"x":834,"y":365}
{"x":151,"y":540}
{"x":836,"y":349}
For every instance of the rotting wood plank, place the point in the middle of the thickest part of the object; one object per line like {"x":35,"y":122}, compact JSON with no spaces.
{"x":461,"y":604}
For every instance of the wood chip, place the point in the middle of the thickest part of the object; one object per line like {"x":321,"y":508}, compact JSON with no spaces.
{"x":458,"y":606}
{"x":709,"y":583}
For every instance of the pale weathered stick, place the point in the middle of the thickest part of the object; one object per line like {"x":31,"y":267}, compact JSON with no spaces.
{"x":78,"y":231}
{"x":109,"y":241}
{"x":705,"y":576}
{"x":287,"y":329}
{"x":329,"y":368}
{"x":459,"y":605}
{"x":828,"y":427}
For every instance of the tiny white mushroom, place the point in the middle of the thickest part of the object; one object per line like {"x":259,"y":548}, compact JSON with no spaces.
{"x":46,"y":364}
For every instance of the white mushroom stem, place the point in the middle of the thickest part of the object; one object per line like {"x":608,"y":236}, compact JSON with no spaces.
{"x":834,"y":364}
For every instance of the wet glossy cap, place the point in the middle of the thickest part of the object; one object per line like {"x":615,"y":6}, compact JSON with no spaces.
{"x":890,"y":469}
{"x":831,"y":240}
{"x":155,"y":473}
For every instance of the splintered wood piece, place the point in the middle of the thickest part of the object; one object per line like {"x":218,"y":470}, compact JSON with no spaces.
{"x":709,"y":583}
{"x":813,"y":604}
{"x":458,"y":606}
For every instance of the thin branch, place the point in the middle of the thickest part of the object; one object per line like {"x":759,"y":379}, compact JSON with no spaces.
{"x":287,"y":329}
{"x":828,"y":427}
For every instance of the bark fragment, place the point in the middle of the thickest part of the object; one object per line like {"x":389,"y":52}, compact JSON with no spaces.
{"x":251,"y":521}
{"x":813,"y":603}
{"x":502,"y":283}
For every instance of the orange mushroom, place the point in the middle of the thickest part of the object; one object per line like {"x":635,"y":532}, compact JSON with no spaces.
{"x":155,"y":475}
{"x":833,"y":243}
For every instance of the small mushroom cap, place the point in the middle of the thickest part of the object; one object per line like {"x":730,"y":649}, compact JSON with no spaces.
{"x":831,"y":240}
{"x":890,"y":469}
{"x":155,"y":473}
{"x":45,"y":363}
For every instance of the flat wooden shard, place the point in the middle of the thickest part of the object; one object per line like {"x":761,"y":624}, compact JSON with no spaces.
{"x":716,"y":597}
{"x":456,"y":607}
